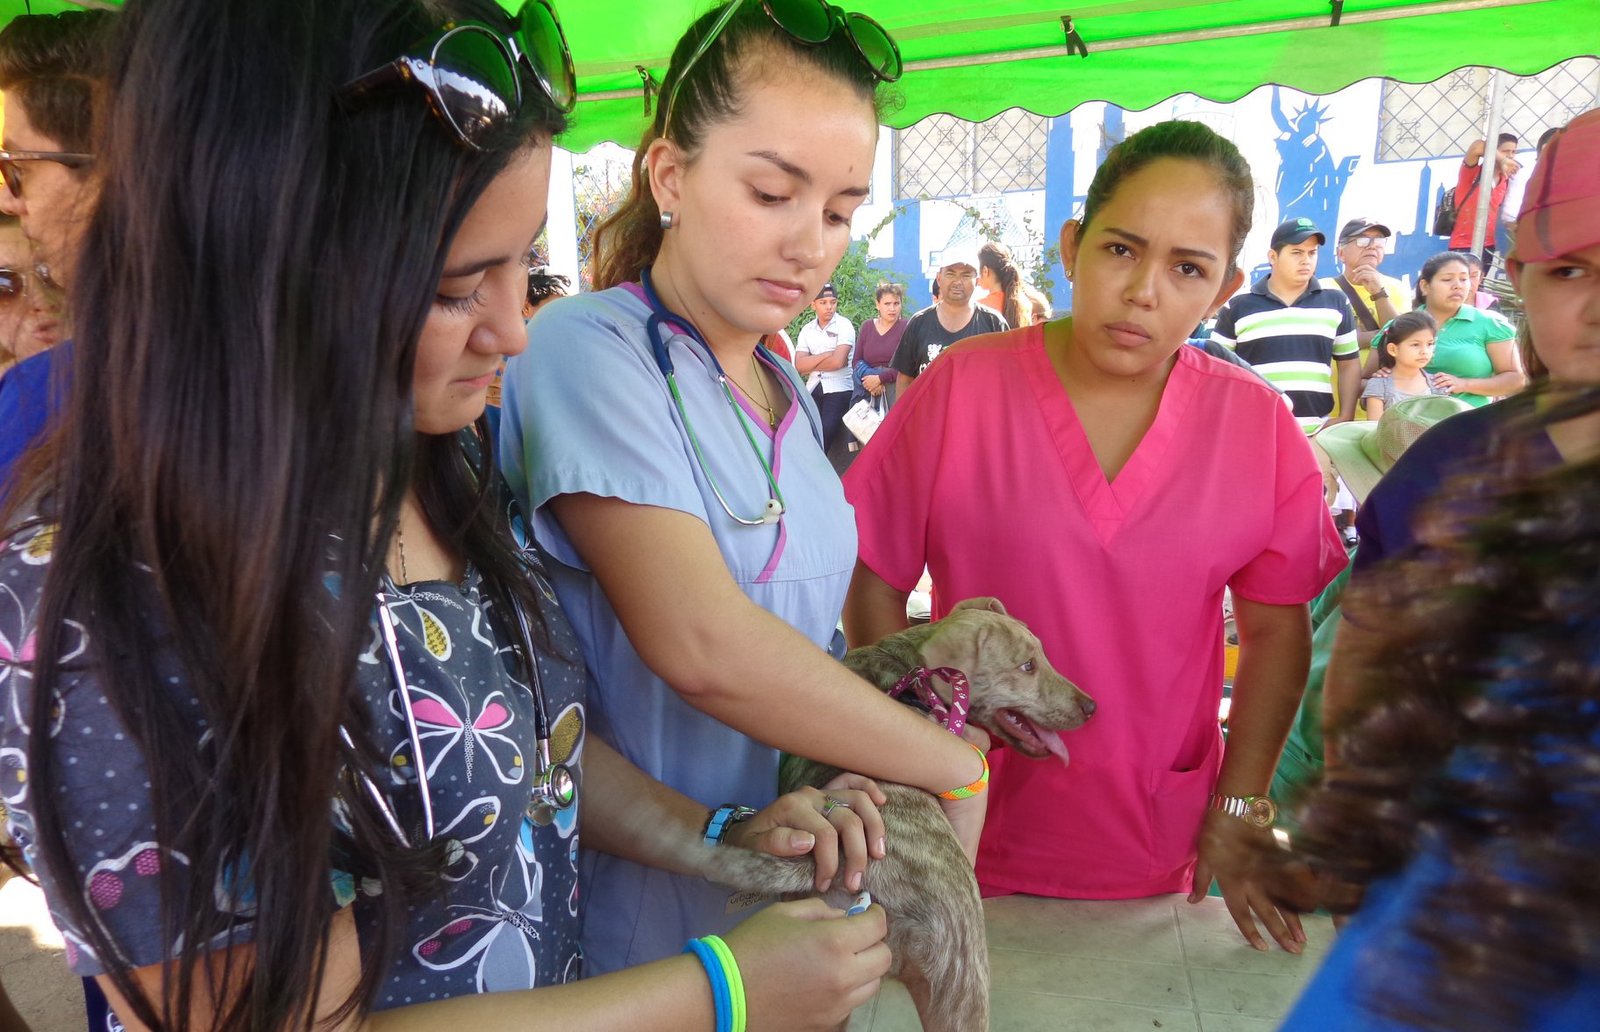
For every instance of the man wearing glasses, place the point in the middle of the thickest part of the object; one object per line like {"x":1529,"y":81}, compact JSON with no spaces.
{"x":1375,"y":297}
{"x":51,"y":68}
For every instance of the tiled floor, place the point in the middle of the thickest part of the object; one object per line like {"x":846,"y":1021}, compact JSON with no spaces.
{"x":1150,"y":965}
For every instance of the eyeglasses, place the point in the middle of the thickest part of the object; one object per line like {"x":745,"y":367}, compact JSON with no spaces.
{"x":14,"y":282}
{"x":1365,"y":241}
{"x":812,"y":22}
{"x":469,"y":71}
{"x":9,"y":160}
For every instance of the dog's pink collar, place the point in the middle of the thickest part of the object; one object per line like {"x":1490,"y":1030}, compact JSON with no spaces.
{"x":953,"y":717}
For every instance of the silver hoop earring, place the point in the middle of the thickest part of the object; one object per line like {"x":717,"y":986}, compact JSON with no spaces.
{"x":667,"y":219}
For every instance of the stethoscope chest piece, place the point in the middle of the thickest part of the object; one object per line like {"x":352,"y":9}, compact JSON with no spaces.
{"x":554,"y":789}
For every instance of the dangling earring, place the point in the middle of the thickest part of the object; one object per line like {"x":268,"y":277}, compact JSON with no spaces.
{"x":667,"y":219}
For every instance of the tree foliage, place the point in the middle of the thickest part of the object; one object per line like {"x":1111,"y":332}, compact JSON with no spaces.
{"x":856,"y":280}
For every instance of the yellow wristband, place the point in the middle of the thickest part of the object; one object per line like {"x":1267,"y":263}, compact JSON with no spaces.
{"x":980,"y":785}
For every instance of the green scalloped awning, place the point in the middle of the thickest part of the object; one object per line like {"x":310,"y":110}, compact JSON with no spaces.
{"x":974,"y":59}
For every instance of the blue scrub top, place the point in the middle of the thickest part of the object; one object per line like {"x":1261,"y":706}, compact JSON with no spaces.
{"x":586,"y":410}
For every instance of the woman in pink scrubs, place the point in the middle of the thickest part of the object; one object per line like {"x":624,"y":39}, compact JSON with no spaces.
{"x":1107,"y":482}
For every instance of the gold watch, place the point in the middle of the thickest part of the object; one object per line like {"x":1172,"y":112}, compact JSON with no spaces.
{"x":1258,"y":811}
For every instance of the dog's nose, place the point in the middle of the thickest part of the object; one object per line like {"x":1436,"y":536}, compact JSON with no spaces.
{"x":1087,"y":705}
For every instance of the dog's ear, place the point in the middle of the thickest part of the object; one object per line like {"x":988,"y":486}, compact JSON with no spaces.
{"x":957,"y":641}
{"x":991,"y":604}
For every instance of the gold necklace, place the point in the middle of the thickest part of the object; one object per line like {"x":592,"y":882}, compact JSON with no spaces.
{"x":761,"y":381}
{"x":766,"y":401}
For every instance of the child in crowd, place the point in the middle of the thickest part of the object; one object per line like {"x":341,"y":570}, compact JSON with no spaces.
{"x":1404,"y":347}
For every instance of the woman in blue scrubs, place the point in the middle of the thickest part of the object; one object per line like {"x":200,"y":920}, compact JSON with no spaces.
{"x":703,"y":542}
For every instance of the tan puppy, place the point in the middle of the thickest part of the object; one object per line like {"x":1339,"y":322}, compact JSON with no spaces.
{"x":925,"y":883}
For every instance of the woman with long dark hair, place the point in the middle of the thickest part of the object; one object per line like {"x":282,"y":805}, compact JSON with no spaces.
{"x":675,"y":470}
{"x":294,"y":728}
{"x":1462,"y":813}
{"x":1009,"y":293}
{"x":1462,"y":703}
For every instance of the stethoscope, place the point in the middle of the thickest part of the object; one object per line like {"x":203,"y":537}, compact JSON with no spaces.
{"x":553,"y":788}
{"x":656,"y":326}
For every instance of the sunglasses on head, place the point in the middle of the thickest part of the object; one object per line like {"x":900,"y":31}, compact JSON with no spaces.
{"x":469,"y":71}
{"x":11,"y":159}
{"x":812,"y":22}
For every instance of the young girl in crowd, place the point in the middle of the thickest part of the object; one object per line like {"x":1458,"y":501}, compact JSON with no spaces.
{"x":293,"y":727}
{"x":1084,"y":453}
{"x":1475,"y":352}
{"x":702,"y":553}
{"x":1404,"y":347}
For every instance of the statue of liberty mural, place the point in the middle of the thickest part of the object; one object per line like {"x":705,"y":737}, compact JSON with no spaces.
{"x":1309,"y":183}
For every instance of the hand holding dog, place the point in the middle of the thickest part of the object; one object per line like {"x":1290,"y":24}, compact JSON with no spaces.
{"x":803,"y":822}
{"x":1228,"y":851}
{"x":807,"y":966}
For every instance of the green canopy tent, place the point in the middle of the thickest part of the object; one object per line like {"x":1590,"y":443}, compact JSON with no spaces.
{"x":975,"y":59}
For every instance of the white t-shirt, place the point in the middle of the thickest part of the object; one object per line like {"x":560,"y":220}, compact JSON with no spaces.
{"x":1518,"y":189}
{"x":816,"y":340}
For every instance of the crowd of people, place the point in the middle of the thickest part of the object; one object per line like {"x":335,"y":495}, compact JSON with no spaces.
{"x":267,"y":775}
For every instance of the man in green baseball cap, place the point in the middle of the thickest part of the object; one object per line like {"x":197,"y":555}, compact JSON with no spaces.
{"x":1293,"y":330}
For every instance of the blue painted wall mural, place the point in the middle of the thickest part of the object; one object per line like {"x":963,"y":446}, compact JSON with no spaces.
{"x":1310,"y":183}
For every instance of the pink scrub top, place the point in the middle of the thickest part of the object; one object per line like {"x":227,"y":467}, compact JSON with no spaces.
{"x":983,"y":473}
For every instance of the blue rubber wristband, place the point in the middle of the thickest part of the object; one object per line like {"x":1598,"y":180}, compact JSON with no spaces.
{"x":722,"y":997}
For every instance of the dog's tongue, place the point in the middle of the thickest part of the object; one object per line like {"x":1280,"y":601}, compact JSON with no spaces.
{"x":1052,"y":740}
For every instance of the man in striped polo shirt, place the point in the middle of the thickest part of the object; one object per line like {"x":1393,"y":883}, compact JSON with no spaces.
{"x":1295,"y":332}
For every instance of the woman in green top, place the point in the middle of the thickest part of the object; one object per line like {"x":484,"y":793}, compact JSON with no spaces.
{"x":1475,"y":354}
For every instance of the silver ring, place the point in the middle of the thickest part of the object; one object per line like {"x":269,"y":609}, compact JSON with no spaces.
{"x":832,"y":803}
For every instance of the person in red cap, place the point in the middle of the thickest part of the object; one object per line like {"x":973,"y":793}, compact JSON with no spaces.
{"x":1555,"y":265}
{"x":1472,"y":845}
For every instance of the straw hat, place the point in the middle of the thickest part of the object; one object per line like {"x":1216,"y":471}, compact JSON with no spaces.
{"x":1363,"y":452}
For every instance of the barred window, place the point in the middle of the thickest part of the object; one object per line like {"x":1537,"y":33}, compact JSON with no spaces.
{"x":601,"y":180}
{"x":1440,"y":119}
{"x":945,"y":156}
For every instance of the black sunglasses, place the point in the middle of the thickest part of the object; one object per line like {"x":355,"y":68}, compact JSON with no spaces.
{"x":808,"y":21}
{"x":9,"y":159}
{"x":469,"y":71}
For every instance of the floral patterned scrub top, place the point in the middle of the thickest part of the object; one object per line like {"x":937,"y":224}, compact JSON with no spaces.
{"x":508,"y":918}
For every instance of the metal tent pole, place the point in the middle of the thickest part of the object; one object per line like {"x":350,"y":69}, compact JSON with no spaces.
{"x":1488,"y":166}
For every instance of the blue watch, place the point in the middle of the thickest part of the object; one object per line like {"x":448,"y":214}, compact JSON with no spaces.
{"x":722,"y":819}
